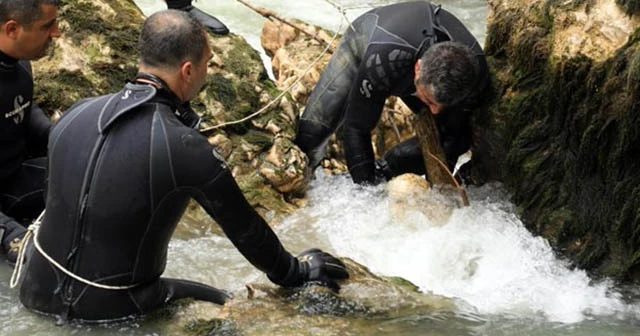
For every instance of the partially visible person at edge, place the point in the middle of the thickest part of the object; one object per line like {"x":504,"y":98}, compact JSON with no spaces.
{"x":122,"y":168}
{"x":414,"y":50}
{"x":211,"y":22}
{"x":27,"y":28}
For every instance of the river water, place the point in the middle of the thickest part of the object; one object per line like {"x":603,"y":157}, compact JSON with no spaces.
{"x":510,"y":282}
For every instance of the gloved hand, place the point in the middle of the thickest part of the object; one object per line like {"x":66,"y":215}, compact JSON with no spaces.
{"x":11,"y":233}
{"x":314,"y":266}
{"x":383,"y":172}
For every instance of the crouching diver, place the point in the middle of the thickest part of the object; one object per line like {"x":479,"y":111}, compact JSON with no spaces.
{"x":413,"y":50}
{"x":122,"y":169}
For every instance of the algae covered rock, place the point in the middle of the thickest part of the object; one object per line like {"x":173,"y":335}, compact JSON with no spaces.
{"x":265,"y":309}
{"x":243,"y":111}
{"x":562,"y":126}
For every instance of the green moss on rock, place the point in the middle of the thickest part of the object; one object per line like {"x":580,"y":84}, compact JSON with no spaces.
{"x":563,"y":135}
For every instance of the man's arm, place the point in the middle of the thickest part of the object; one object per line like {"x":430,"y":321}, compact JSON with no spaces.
{"x":252,"y":236}
{"x":205,"y":173}
{"x":363,"y":109}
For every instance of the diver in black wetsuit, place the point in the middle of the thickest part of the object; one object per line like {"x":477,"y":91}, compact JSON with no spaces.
{"x":26,"y":30}
{"x":211,"y":22}
{"x":122,"y":168}
{"x":388,"y":51}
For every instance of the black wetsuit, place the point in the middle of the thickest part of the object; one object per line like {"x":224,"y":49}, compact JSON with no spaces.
{"x":24,"y":129}
{"x":375,"y":59}
{"x":122,"y":169}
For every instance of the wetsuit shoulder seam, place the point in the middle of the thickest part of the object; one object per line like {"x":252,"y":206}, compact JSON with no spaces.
{"x":407,"y":44}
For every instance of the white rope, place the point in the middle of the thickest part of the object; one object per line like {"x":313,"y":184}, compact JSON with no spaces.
{"x":32,"y":232}
{"x":316,"y":60}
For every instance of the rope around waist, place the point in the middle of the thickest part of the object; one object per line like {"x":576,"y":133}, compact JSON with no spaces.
{"x":32,"y":233}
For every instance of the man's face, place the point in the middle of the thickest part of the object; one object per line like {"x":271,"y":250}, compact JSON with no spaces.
{"x":426,"y":96}
{"x":424,"y":93}
{"x":32,"y":42}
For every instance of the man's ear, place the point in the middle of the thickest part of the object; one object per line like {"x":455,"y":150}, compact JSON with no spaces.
{"x":186,"y":70}
{"x":11,"y":28}
{"x":416,"y":69}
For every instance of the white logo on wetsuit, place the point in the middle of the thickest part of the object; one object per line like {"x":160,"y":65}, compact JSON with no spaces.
{"x":18,"y":109}
{"x":366,"y":88}
{"x":126,"y":94}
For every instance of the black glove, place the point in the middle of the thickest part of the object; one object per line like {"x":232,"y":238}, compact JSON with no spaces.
{"x":383,"y":172}
{"x":313,"y":266}
{"x":11,"y":233}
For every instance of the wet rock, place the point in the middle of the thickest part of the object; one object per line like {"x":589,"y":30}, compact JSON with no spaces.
{"x":223,"y":144}
{"x":281,"y":166}
{"x":409,"y":194}
{"x":560,"y":127}
{"x":262,"y":308}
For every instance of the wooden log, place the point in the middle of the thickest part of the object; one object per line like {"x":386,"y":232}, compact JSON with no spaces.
{"x":434,"y":159}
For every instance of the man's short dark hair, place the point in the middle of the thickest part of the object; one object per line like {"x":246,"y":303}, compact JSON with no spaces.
{"x":169,"y":38}
{"x":450,"y":70}
{"x":26,"y":12}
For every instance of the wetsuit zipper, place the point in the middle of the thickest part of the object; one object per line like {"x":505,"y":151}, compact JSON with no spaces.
{"x":80,"y":228}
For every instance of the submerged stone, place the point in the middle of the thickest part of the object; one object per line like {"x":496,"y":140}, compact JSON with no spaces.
{"x":263,"y":309}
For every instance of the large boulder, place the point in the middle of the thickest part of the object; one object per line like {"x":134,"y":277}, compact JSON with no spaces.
{"x":562,"y":127}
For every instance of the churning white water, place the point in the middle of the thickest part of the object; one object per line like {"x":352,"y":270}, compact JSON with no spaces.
{"x":482,"y":254}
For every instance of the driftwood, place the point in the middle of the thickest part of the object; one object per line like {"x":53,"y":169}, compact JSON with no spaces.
{"x":434,"y":159}
{"x":270,"y":15}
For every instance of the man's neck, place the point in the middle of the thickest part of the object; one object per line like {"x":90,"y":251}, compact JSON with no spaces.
{"x":167,"y":79}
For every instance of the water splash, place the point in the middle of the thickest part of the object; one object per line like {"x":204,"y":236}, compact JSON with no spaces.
{"x":482,"y":254}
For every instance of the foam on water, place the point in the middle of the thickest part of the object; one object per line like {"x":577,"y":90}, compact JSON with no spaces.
{"x":482,"y":254}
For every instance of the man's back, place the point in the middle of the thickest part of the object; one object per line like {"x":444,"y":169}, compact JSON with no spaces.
{"x":118,"y":184}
